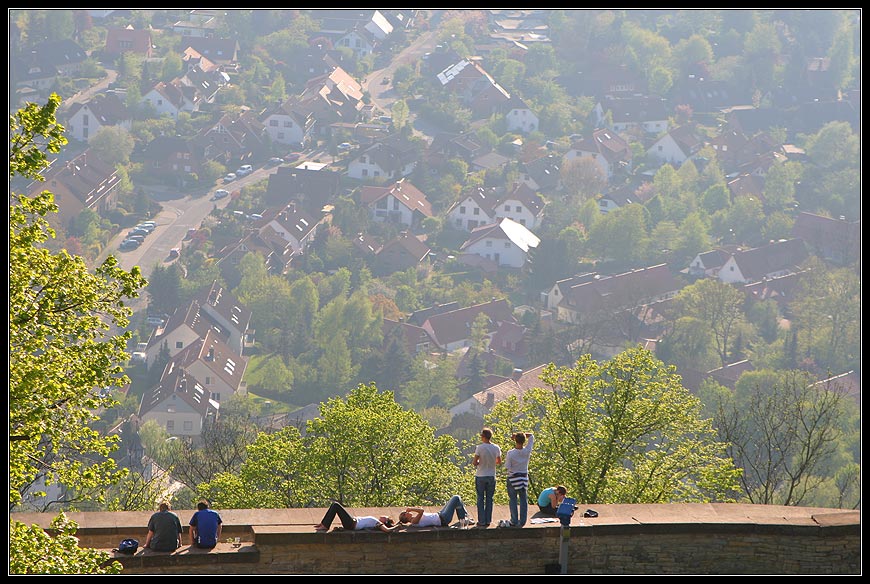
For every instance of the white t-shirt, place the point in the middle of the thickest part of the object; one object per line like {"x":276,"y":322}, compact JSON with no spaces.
{"x":430,"y":520}
{"x":367,"y":522}
{"x":488,"y":452}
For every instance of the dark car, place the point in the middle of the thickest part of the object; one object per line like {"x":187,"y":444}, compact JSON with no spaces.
{"x":293,"y":157}
{"x":137,"y":231}
{"x":129,"y":244}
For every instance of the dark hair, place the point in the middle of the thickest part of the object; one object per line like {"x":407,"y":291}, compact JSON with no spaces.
{"x":520,"y":438}
{"x":389,"y":522}
{"x":486,"y":433}
{"x":562,"y":490}
{"x":203,"y":504}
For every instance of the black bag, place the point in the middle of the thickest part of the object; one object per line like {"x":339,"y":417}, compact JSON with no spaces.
{"x":128,"y":546}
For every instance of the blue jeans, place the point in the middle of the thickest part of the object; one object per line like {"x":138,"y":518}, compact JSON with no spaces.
{"x":485,"y":487}
{"x":454,"y":504}
{"x":518,"y":497}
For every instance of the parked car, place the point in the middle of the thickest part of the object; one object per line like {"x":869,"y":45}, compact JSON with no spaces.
{"x":220,"y":194}
{"x":129,"y":244}
{"x":230,"y":177}
{"x":275,"y":161}
{"x":146,"y":227}
{"x":174,"y":253}
{"x":151,"y":223}
{"x":293,"y":157}
{"x":345,"y":146}
{"x":137,"y":231}
{"x":244,"y":170}
{"x":135,"y":237}
{"x":155,"y":321}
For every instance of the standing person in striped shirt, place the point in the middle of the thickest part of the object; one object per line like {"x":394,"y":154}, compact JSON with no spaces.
{"x":517,"y":466}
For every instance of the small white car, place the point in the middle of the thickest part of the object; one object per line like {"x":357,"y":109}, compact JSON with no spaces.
{"x":230,"y":177}
{"x":220,"y":194}
{"x":244,"y":170}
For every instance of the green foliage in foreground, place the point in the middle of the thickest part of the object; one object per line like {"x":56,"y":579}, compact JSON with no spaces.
{"x":37,"y":552}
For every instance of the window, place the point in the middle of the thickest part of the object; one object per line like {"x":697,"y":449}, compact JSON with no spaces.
{"x":288,"y":124}
{"x":488,"y":243}
{"x":507,"y":245}
{"x":207,"y":380}
{"x":507,"y":208}
{"x":476,"y":211}
{"x":85,"y":133}
{"x":365,"y":172}
{"x":377,"y":173}
{"x":462,"y":210}
{"x":518,"y":209}
{"x":381,"y":204}
{"x":125,"y":44}
{"x":661,"y":148}
{"x":179,"y":345}
{"x":395,"y":204}
{"x":188,"y":425}
{"x":170,"y":425}
{"x":85,"y":119}
{"x":159,"y":102}
{"x":273,"y":123}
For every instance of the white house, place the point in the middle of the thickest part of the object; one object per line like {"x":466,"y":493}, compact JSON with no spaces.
{"x":167,"y":98}
{"x":390,"y":159}
{"x":473,"y":210}
{"x":776,"y":259}
{"x":519,"y":117}
{"x":677,"y":146}
{"x":292,"y":224}
{"x":506,"y":242}
{"x":401,"y":202}
{"x":286,"y":125}
{"x":606,"y":148}
{"x":104,"y":110}
{"x":521,"y":204}
{"x":180,"y":403}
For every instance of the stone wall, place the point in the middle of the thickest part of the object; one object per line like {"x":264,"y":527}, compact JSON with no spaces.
{"x":679,"y":539}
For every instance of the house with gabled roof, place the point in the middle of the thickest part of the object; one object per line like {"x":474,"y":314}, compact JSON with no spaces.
{"x":780,"y":289}
{"x":334,"y":97}
{"x":401,"y":253}
{"x":65,"y":55}
{"x":837,"y":240}
{"x":542,"y":173}
{"x":482,"y":402}
{"x":596,"y":297}
{"x":277,"y":253}
{"x":310,"y":189}
{"x":519,"y":116}
{"x":416,"y":339}
{"x":390,"y":159}
{"x":182,"y":329}
{"x":505,"y":242}
{"x":84,"y":120}
{"x":677,"y":145}
{"x":418,"y":317}
{"x":288,"y":124}
{"x":451,"y":330}
{"x":217,"y":367}
{"x":748,"y":186}
{"x":217,"y":50}
{"x":230,"y":315}
{"x":292,"y":224}
{"x":649,"y":114}
{"x":171,"y":99}
{"x":84,"y":182}
{"x":198,"y":23}
{"x":174,"y":155}
{"x":236,"y":138}
{"x":476,"y":207}
{"x":128,"y":40}
{"x":180,"y":404}
{"x":509,"y":341}
{"x":778,"y":258}
{"x":631,"y":191}
{"x":708,"y":263}
{"x":606,"y":148}
{"x":522,"y":204}
{"x":400,"y":202}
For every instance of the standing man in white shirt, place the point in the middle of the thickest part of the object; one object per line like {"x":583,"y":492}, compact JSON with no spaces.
{"x":486,"y":456}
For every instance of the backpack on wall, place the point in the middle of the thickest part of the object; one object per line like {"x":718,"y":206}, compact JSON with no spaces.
{"x":128,"y":546}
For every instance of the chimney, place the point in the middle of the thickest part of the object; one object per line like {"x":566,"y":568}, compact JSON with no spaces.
{"x":490,"y":400}
{"x":517,"y":374}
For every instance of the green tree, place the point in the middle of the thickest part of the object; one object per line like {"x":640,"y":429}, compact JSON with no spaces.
{"x":717,"y":304}
{"x":37,"y":552}
{"x":60,"y":346}
{"x":372,"y":452}
{"x":433,"y":383}
{"x":624,"y":431}
{"x":112,"y":145}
